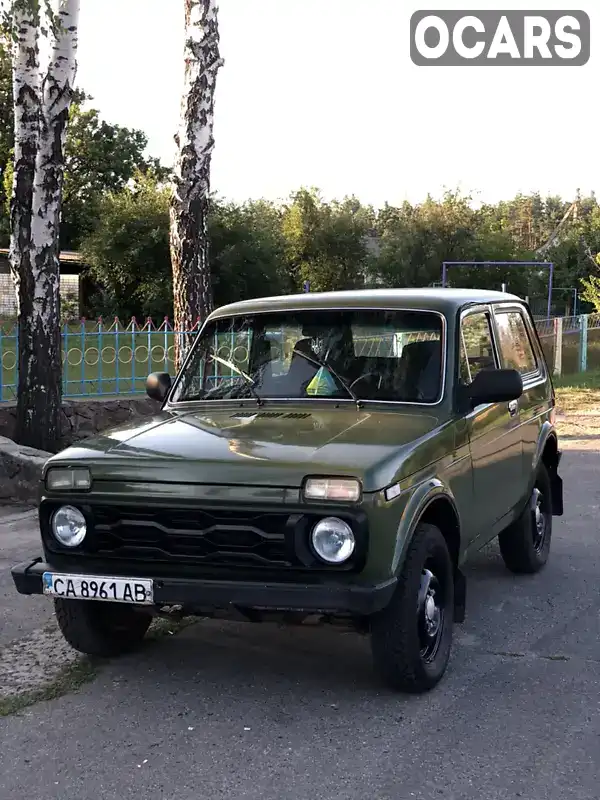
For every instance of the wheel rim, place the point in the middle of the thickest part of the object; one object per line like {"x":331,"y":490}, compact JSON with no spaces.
{"x":539,"y":522}
{"x":430,"y":615}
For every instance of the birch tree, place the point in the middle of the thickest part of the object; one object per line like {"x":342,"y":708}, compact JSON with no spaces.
{"x":192,"y":290}
{"x":42,"y":98}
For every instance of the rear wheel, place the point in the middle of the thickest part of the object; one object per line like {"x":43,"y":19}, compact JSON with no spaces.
{"x":525,"y":545}
{"x":99,"y":628}
{"x":411,"y":638}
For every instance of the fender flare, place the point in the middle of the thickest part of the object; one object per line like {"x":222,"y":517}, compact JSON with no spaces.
{"x":546,"y":431}
{"x":421,"y":498}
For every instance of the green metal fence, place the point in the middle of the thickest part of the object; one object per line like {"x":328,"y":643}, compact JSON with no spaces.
{"x":98,"y":358}
{"x":571,"y":344}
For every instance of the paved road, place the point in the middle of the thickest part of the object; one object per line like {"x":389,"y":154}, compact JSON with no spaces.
{"x":19,"y":539}
{"x":237,"y":711}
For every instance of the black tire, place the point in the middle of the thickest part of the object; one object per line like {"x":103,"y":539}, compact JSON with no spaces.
{"x":101,"y":629}
{"x":404,"y":654}
{"x":525,"y":547}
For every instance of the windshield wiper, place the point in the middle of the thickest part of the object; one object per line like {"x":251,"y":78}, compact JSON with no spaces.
{"x":249,"y":380}
{"x":326,"y":365}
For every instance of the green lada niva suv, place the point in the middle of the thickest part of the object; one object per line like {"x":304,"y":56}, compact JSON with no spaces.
{"x":339,"y":455}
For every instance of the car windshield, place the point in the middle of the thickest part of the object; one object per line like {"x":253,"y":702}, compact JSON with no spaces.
{"x":369,"y":355}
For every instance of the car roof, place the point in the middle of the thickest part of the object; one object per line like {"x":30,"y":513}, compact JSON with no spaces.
{"x":445,"y":301}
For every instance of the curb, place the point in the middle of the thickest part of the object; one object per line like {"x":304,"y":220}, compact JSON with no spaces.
{"x":20,"y":472}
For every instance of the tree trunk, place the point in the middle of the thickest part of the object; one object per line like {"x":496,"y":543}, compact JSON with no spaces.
{"x":27,"y":104}
{"x":39,"y":387}
{"x":192,"y":289}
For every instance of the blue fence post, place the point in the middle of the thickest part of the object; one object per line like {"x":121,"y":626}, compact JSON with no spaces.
{"x":132,"y":354}
{"x":116,"y":349}
{"x":216,"y":371}
{"x":83,"y":381}
{"x":166,"y":344}
{"x":1,"y":360}
{"x":65,"y":338}
{"x":558,"y":345}
{"x":149,"y":361}
{"x":583,"y":343}
{"x":100,"y":356}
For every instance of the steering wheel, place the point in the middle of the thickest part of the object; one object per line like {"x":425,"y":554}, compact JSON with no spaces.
{"x":365,"y":376}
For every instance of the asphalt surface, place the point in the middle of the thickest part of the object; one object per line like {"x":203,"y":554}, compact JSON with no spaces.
{"x":240,"y":711}
{"x":19,"y":615}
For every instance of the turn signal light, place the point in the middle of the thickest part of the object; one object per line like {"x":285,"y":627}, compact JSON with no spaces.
{"x":345,"y":489}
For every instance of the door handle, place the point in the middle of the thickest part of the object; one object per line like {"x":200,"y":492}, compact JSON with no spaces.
{"x":513,"y":408}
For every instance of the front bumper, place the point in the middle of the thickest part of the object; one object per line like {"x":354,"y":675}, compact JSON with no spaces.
{"x":221,"y":594}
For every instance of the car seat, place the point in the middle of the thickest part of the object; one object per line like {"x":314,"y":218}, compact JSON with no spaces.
{"x":420,"y":366}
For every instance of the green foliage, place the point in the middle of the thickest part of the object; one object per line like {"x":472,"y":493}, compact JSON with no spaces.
{"x":69,"y":307}
{"x":416,"y":240}
{"x":591,"y":291}
{"x":128,"y":252}
{"x":259,"y":248}
{"x":100,"y":159}
{"x":7,"y":134}
{"x":42,"y":12}
{"x":325,"y":242}
{"x":247,"y":251}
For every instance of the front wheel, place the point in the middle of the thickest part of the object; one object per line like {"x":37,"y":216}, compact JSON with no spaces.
{"x":411,"y":638}
{"x":101,"y":628}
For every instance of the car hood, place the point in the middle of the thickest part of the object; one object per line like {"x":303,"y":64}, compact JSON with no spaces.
{"x":264,"y":447}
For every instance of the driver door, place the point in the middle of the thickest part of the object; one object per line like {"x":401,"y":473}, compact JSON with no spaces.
{"x":493,"y":430}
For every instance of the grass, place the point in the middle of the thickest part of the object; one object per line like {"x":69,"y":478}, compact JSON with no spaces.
{"x":578,"y":392}
{"x":84,"y":670}
{"x":580,"y":380}
{"x":69,"y":679}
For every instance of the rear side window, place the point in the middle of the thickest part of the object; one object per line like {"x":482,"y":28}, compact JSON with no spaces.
{"x":477,"y":348}
{"x":515,"y":345}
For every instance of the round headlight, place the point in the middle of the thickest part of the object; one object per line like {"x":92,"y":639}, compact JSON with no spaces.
{"x":333,"y":540}
{"x":68,"y":525}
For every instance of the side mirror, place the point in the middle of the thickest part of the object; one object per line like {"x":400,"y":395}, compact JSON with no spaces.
{"x":495,"y":386}
{"x":158,"y":385}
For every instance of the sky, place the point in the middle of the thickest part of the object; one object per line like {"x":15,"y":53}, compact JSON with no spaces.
{"x":323,"y":93}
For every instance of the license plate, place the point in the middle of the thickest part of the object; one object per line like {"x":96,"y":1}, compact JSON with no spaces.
{"x":101,"y":587}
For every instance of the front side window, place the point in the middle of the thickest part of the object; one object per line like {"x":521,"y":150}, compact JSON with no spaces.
{"x":477,"y":347}
{"x":513,"y":339}
{"x":360,"y":354}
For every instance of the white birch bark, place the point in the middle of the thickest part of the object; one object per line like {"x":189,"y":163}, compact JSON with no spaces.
{"x":192,"y":289}
{"x":41,"y":125}
{"x":27,"y":103}
{"x":57,"y":91}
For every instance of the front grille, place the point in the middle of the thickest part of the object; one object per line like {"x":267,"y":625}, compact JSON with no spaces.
{"x":240,"y":541}
{"x":192,"y":535}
